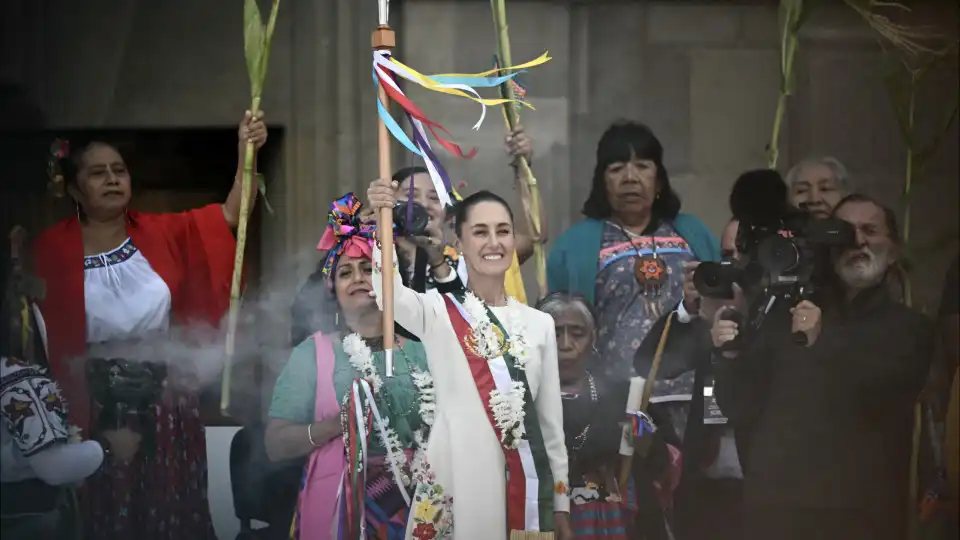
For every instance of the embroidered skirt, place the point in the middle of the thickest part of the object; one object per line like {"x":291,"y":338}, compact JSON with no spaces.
{"x":594,"y":517}
{"x":386,"y":511}
{"x":162,"y":493}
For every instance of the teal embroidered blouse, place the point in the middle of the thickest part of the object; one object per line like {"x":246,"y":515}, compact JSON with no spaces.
{"x":294,"y":395}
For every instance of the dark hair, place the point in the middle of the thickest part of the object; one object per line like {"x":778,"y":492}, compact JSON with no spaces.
{"x":407,"y":172}
{"x":315,"y":306}
{"x":621,"y":141}
{"x":461,"y":210}
{"x":889,"y":216}
{"x":759,"y":196}
{"x":73,"y":164}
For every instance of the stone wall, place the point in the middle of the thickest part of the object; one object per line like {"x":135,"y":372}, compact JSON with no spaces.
{"x":705,"y":77}
{"x":702,"y":74}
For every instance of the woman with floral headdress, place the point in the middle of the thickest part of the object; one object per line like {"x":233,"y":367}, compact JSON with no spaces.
{"x":314,"y":408}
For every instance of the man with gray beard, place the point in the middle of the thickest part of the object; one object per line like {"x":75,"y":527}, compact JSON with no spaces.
{"x":830,"y":422}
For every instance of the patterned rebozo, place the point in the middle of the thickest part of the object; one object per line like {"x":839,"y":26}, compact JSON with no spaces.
{"x":34,"y":411}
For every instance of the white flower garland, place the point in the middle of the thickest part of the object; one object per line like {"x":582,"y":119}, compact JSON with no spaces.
{"x":428,"y":395}
{"x":507,"y":407}
{"x":519,"y":348}
{"x":361,"y":358}
{"x":508,"y":413}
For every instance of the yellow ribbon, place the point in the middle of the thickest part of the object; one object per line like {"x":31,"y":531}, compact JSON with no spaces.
{"x":429,"y":83}
{"x":542,"y":59}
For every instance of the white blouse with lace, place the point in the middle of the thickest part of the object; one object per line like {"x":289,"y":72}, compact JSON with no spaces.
{"x":125,"y":298}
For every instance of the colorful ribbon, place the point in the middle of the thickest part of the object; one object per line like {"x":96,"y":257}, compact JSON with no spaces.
{"x":641,"y":423}
{"x":519,"y":91}
{"x":346,"y":233}
{"x":387,"y":69}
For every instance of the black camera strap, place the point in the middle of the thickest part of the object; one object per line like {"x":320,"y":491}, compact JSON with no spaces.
{"x":419,"y":283}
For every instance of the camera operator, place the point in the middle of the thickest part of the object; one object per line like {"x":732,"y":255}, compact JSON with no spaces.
{"x":422,"y":249}
{"x":829,"y":422}
{"x":817,"y":184}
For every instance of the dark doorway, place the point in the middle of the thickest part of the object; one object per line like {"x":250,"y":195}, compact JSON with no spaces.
{"x":172,"y":170}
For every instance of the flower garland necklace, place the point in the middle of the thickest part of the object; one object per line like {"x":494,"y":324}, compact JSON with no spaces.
{"x":488,"y":342}
{"x":361,"y":358}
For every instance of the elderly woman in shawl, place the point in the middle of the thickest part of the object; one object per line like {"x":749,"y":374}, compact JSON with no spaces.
{"x":326,"y":374}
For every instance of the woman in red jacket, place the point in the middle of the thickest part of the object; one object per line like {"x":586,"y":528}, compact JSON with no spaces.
{"x":119,"y":278}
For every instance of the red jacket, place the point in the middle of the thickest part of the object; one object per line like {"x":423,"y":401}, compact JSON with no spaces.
{"x":193,"y":252}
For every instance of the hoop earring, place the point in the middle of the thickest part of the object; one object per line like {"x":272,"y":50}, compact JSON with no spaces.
{"x":76,"y":206}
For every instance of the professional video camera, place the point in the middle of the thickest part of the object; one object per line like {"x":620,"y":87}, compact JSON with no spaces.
{"x":410,"y":219}
{"x":781,"y":249}
{"x":779,"y":246}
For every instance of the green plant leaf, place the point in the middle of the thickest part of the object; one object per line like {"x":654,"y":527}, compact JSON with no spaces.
{"x":267,"y":40}
{"x":253,"y":44}
{"x":262,"y":188}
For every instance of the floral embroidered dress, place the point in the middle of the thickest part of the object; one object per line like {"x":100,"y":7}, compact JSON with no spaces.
{"x":399,"y":402}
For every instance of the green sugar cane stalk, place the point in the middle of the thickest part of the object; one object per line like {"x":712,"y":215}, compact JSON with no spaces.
{"x":499,"y":9}
{"x":256,"y":48}
{"x":791,"y":17}
{"x":902,"y":86}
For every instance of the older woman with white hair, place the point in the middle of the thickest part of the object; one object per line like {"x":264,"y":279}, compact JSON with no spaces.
{"x":817,"y":184}
{"x":593,"y":412}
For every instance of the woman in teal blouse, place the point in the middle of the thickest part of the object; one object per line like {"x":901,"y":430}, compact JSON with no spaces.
{"x":321,"y":408}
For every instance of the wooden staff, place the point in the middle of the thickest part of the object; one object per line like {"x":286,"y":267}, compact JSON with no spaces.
{"x":626,"y":462}
{"x":384,"y":39}
{"x":530,"y":190}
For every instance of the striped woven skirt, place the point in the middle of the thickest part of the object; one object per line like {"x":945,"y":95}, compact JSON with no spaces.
{"x":597,"y":518}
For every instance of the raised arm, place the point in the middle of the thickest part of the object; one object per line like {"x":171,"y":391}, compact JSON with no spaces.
{"x":251,"y":128}
{"x":550,"y":414}
{"x":414,"y":311}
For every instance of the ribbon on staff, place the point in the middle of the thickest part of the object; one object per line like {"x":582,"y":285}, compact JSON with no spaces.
{"x":386,"y":71}
{"x":641,"y":423}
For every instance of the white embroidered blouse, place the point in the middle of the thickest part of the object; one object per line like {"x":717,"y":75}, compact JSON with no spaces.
{"x":124,"y":297}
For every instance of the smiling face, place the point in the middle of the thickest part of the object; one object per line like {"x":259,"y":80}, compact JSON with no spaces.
{"x":352,"y":284}
{"x":816,"y":190}
{"x":103,"y":183}
{"x":866,"y":264}
{"x":631,"y":187}
{"x":487,"y":239}
{"x":425,"y":195}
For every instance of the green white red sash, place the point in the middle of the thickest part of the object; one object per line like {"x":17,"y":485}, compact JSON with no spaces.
{"x":529,"y":479}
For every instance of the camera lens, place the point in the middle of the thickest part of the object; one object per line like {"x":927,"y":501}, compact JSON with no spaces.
{"x":777,"y":254}
{"x":715,"y":280}
{"x":410,"y":218}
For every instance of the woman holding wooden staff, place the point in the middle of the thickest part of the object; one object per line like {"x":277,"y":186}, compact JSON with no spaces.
{"x":496,"y":462}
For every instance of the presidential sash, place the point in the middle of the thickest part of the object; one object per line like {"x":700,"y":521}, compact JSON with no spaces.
{"x":529,"y":479}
